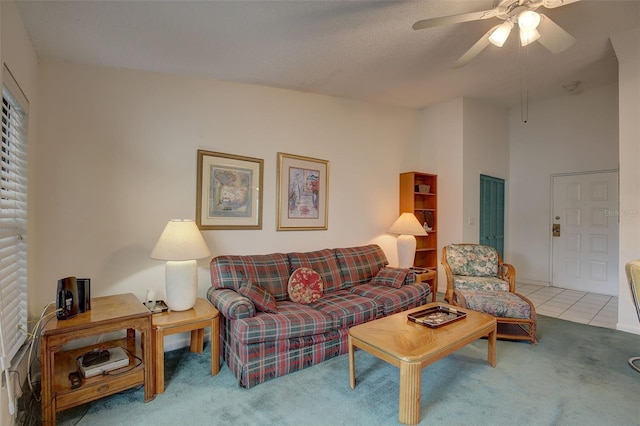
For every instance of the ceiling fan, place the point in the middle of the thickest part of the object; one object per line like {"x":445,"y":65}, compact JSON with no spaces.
{"x":532,"y":26}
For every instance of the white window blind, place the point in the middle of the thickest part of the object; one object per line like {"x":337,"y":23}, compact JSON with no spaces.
{"x":13,"y":218}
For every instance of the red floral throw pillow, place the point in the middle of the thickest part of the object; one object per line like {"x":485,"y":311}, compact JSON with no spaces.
{"x":305,"y":286}
{"x":261,"y":298}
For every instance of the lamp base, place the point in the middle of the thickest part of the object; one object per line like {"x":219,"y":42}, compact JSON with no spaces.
{"x":181,"y":279}
{"x":406,"y":250}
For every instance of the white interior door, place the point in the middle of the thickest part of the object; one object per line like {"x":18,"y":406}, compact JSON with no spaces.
{"x":585,"y":247}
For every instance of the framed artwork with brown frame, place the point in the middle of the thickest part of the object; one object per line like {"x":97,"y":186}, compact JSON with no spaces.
{"x":303,"y":193}
{"x":229,"y":191}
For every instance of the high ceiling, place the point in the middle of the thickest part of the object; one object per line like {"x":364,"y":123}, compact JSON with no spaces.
{"x":362,"y":50}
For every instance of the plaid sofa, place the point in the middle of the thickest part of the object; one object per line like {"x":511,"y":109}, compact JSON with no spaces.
{"x":259,"y":346}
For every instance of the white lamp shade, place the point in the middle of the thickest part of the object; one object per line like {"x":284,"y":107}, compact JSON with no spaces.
{"x":180,"y":240}
{"x":528,"y":20}
{"x":501,"y":34}
{"x":528,"y":36}
{"x":407,"y":224}
{"x":180,"y":244}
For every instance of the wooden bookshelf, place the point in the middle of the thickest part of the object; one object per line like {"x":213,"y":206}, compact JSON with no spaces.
{"x":416,"y":198}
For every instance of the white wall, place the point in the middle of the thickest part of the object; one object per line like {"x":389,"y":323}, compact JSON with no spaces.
{"x":627,"y":47}
{"x":573,"y":133}
{"x":118,"y":159}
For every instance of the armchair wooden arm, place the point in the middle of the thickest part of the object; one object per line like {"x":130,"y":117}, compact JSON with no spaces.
{"x":447,"y":270}
{"x":507,"y":272}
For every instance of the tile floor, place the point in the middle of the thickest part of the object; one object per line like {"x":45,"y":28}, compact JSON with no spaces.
{"x":571,"y":305}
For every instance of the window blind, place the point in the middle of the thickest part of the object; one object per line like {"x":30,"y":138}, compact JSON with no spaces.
{"x":13,"y":218}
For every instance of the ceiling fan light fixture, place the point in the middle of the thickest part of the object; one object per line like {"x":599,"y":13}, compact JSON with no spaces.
{"x":501,"y":34}
{"x":528,"y":36}
{"x":528,"y":20}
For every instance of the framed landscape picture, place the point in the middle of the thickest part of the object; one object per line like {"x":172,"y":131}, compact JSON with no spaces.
{"x":303,"y":190}
{"x":229,"y":191}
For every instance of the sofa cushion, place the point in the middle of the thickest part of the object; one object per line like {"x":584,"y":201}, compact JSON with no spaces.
{"x":261,"y":298}
{"x":392,"y":300}
{"x":227,"y":272}
{"x":346,"y":308}
{"x":463,"y":282}
{"x":358,"y":265}
{"x":501,"y":304}
{"x":305,"y":286}
{"x":394,"y":277}
{"x":323,"y":262}
{"x":270,"y":271}
{"x":472,"y":260}
{"x":292,"y":320}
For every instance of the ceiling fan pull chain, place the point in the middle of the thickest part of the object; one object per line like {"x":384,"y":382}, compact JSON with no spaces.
{"x":524,"y":83}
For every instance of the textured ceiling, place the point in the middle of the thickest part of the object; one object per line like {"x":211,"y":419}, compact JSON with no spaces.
{"x":362,"y":50}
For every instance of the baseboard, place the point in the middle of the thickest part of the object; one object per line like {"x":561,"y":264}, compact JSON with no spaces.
{"x":625,"y":328}
{"x":532,"y":282}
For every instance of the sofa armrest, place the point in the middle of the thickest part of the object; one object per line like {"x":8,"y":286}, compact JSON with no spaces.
{"x":231,"y":304}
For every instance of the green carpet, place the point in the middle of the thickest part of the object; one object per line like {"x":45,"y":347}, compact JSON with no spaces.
{"x":576,"y":375}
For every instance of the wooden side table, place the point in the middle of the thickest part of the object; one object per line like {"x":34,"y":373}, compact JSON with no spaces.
{"x":195,"y":320}
{"x":108,"y":314}
{"x":432,"y":276}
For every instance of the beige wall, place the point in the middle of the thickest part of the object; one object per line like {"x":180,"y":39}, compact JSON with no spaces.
{"x":441,"y":126}
{"x":568,"y":134}
{"x":486,"y":151}
{"x":118,"y":159}
{"x":627,"y":48}
{"x":463,"y":138}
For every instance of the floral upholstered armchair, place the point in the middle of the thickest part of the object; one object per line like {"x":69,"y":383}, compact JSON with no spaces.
{"x":477,"y":279}
{"x":476,"y":267}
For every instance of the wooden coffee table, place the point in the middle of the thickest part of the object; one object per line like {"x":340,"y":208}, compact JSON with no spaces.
{"x":411,"y":347}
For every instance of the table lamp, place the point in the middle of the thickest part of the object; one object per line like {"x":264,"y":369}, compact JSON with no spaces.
{"x":180,"y":244}
{"x":407,"y":226}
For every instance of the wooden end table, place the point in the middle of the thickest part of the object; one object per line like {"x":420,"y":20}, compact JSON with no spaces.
{"x":195,"y":320}
{"x":108,"y":314}
{"x":432,"y":276}
{"x":411,"y":347}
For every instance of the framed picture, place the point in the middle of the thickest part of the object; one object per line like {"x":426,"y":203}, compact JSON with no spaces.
{"x":303,"y":191}
{"x":229,"y":191}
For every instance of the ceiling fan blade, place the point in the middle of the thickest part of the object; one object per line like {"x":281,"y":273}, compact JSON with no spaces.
{"x":475,"y":50}
{"x":551,"y":4}
{"x":553,"y":37}
{"x":454,"y":19}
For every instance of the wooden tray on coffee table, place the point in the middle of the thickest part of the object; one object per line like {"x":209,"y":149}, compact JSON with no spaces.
{"x":436,"y":316}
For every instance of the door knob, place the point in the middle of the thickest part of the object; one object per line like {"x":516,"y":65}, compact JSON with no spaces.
{"x":556,"y":229}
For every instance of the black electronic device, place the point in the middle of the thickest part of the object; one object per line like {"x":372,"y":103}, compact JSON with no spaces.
{"x":75,"y":380}
{"x":67,"y":298}
{"x":84,"y":294}
{"x":95,"y":357}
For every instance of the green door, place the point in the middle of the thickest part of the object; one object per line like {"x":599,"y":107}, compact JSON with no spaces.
{"x":492,"y":212}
